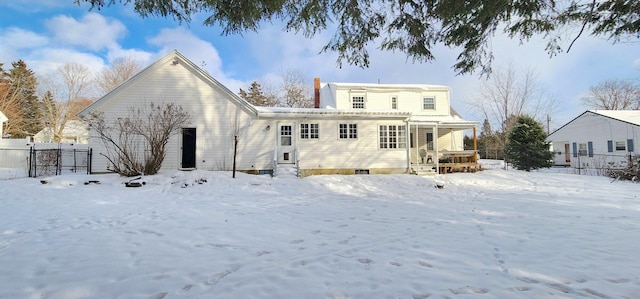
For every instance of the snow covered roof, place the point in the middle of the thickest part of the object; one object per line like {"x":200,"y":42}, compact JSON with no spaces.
{"x":370,"y":86}
{"x":286,"y":112}
{"x":629,"y":116}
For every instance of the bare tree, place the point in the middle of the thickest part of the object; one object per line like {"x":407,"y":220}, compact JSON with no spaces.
{"x":296,"y":92}
{"x":67,"y":92}
{"x":508,"y":94}
{"x":613,"y":95}
{"x":120,"y":70}
{"x":136,"y":144}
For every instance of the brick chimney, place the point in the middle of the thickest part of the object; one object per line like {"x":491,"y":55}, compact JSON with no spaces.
{"x":316,"y":92}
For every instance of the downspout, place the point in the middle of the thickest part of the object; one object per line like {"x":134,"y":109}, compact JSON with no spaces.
{"x":475,"y":146}
{"x":415,"y":144}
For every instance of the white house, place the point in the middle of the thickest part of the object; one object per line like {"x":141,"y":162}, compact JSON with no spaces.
{"x":3,"y":119}
{"x":355,"y":128}
{"x":75,"y":131}
{"x":597,"y":139}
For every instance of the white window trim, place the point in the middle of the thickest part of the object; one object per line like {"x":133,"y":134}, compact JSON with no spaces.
{"x":349,"y":131}
{"x":309,"y":134}
{"x":401,"y":137}
{"x":428,"y":97}
{"x":364,"y":101}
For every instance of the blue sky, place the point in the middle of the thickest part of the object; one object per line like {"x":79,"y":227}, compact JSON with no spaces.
{"x":48,"y":33}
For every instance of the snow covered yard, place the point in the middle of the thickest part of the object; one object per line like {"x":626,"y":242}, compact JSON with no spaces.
{"x":492,"y":234}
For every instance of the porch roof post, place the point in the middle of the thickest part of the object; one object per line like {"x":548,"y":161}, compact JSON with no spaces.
{"x":408,"y":145}
{"x":435,"y":147}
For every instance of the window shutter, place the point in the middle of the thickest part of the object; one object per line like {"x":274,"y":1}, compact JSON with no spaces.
{"x":630,"y":145}
{"x":575,"y":150}
{"x":590,"y":148}
{"x":610,"y":146}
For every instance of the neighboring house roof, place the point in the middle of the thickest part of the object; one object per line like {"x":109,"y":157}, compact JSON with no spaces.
{"x":173,"y":56}
{"x":628,"y":116}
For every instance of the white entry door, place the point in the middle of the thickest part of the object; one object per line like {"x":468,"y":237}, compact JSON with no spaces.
{"x":286,"y":144}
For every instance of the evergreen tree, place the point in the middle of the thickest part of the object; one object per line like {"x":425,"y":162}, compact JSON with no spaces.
{"x":527,"y":147}
{"x":18,"y":100}
{"x":256,"y":96}
{"x":31,"y":107}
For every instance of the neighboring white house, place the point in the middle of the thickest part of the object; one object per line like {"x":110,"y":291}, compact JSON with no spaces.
{"x":361,"y":128}
{"x":3,"y":119}
{"x":597,"y":139}
{"x":75,"y":131}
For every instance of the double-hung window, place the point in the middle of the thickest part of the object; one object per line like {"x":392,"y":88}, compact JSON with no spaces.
{"x":348,"y":131}
{"x":428,"y":103}
{"x":392,"y":136}
{"x":582,"y":149}
{"x":357,"y":102}
{"x":394,"y":103}
{"x":309,"y":131}
{"x":621,"y":146}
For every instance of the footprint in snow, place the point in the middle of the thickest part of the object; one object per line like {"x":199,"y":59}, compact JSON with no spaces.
{"x":296,"y":241}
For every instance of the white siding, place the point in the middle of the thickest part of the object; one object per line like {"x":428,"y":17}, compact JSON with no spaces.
{"x":214,"y":115}
{"x":331,"y":152}
{"x":598,"y":130}
{"x":409,"y":99}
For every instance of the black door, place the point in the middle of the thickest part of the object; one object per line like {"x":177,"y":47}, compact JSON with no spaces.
{"x":188,"y":148}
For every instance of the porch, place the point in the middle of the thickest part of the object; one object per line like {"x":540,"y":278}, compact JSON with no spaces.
{"x":437,"y":147}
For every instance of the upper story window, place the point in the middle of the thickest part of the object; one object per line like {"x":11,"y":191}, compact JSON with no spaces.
{"x":357,"y":102}
{"x":621,"y":146}
{"x":428,"y":103}
{"x":394,"y":102}
{"x":309,"y":131}
{"x":348,"y":131}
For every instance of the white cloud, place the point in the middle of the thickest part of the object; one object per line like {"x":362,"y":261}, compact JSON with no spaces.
{"x":47,"y":60}
{"x":19,"y":38}
{"x":93,"y":31}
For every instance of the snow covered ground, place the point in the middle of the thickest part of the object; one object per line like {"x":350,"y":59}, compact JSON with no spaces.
{"x":492,"y":234}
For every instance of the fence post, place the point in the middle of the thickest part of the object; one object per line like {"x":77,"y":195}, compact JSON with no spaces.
{"x":31,"y":165}
{"x":75,"y":165}
{"x":89,"y":158}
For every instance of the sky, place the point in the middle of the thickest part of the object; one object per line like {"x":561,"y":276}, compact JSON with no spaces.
{"x":48,"y":33}
{"x":202,"y":234}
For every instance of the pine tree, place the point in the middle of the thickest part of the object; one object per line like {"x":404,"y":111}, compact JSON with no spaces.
{"x":256,"y":96}
{"x":527,"y":147}
{"x":18,"y":100}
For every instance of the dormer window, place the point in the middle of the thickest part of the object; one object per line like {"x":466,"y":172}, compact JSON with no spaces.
{"x":428,"y":103}
{"x":357,"y":102}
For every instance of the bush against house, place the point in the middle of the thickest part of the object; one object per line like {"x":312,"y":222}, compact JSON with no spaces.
{"x":527,"y":148}
{"x":136,"y":144}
